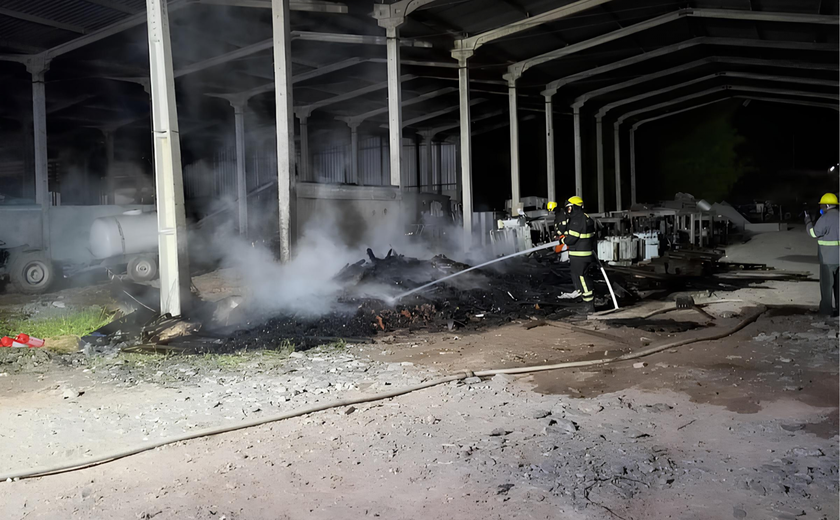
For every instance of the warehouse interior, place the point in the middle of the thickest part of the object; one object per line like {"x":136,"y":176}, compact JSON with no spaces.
{"x":329,"y":227}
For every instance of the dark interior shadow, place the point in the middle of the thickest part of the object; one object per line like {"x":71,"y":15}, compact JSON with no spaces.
{"x":800,"y":259}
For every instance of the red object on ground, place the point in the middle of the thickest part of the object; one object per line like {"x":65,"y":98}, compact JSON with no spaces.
{"x":6,"y":341}
{"x":29,"y":340}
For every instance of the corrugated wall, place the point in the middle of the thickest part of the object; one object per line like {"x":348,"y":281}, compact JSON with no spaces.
{"x":330,"y":164}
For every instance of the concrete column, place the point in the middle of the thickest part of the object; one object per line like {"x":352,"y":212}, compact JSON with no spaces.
{"x":632,"y":167}
{"x":439,"y":178}
{"x":617,"y":146}
{"x":549,"y":148}
{"x":394,"y":105}
{"x":38,"y":70}
{"x":305,"y":163}
{"x":427,"y":159}
{"x":241,"y":182}
{"x":465,"y":144}
{"x":578,"y":157}
{"x":599,"y":143}
{"x":169,"y":194}
{"x":285,"y":122}
{"x":354,"y":154}
{"x":110,"y":182}
{"x":514,"y":147}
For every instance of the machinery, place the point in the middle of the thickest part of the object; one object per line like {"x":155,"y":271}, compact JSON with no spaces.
{"x":28,"y":269}
{"x":129,"y":239}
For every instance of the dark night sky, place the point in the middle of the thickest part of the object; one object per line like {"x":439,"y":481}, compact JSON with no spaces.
{"x":725,"y":151}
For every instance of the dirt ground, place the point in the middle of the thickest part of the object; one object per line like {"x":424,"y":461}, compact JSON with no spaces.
{"x":744,"y":427}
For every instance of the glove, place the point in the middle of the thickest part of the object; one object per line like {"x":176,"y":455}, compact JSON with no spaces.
{"x":807,"y":218}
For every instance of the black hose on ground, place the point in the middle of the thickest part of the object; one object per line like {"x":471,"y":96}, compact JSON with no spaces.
{"x":108,"y":457}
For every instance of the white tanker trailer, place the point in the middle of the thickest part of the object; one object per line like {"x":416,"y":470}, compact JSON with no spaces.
{"x":129,"y":239}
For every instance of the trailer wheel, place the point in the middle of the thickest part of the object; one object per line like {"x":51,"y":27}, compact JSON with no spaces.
{"x":142,"y":269}
{"x":31,"y":273}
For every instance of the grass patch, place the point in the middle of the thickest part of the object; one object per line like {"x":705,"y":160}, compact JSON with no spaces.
{"x":72,"y":323}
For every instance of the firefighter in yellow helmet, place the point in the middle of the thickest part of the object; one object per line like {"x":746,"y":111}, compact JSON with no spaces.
{"x":579,"y":231}
{"x":827,"y":233}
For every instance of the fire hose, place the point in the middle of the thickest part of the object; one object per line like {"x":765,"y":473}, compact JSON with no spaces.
{"x":119,"y":454}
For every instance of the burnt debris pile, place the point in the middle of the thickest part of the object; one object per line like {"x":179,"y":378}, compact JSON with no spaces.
{"x":368,"y":306}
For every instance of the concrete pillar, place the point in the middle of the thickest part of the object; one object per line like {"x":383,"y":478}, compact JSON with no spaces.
{"x":38,"y":70}
{"x":578,"y":155}
{"x":465,"y":143}
{"x":241,"y":181}
{"x":172,"y":222}
{"x":632,"y":167}
{"x":305,"y":162}
{"x":394,"y":105}
{"x":439,"y":178}
{"x":110,"y":182}
{"x":514,"y":147}
{"x":427,"y":159}
{"x":599,"y":143}
{"x":354,"y":154}
{"x":285,"y":122}
{"x":549,"y":148}
{"x":617,"y":146}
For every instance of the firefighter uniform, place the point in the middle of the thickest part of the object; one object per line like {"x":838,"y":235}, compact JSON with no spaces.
{"x":579,"y":229}
{"x":827,"y":233}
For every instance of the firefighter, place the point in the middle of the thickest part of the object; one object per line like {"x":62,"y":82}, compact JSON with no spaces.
{"x":579,"y":231}
{"x":827,"y":233}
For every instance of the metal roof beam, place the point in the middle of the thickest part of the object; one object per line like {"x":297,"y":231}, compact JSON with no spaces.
{"x":408,"y":102}
{"x":638,"y":124}
{"x":305,"y":110}
{"x":245,"y":95}
{"x":437,"y":113}
{"x":114,"y":5}
{"x":517,"y":69}
{"x":474,"y":42}
{"x":42,"y":21}
{"x":552,"y":87}
{"x":361,"y":39}
{"x":728,"y":74}
{"x":434,"y":131}
{"x":792,"y":102}
{"x":579,"y":102}
{"x":226,"y":57}
{"x":315,"y":6}
{"x":724,"y":88}
{"x":503,"y":124}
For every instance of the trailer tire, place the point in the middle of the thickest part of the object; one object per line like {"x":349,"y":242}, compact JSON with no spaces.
{"x":32,"y":272}
{"x":142,"y":269}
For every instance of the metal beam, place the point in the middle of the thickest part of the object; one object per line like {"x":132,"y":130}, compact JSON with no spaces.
{"x":360,"y":39}
{"x":169,"y":182}
{"x":552,"y":87}
{"x":268,"y":87}
{"x":549,"y":149}
{"x":791,"y":102}
{"x":42,"y":21}
{"x":500,"y":125}
{"x":418,"y":99}
{"x":728,"y":74}
{"x":682,"y":99}
{"x":417,"y":63}
{"x":444,"y":128}
{"x":727,"y":60}
{"x":315,"y":6}
{"x":517,"y":69}
{"x":474,"y":42}
{"x":115,"y":6}
{"x":349,"y":95}
{"x":224,"y":58}
{"x":437,"y":113}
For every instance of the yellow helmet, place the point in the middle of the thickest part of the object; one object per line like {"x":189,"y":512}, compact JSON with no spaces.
{"x":551,"y":206}
{"x":829,"y":198}
{"x":577,"y":201}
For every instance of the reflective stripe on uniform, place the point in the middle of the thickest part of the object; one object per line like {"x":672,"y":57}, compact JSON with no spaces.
{"x":828,"y":242}
{"x":588,"y":299}
{"x":811,"y":231}
{"x":580,"y":253}
{"x":585,"y":288}
{"x":580,"y":235}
